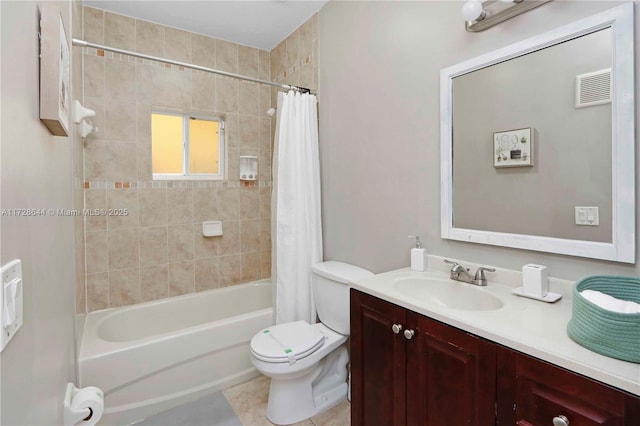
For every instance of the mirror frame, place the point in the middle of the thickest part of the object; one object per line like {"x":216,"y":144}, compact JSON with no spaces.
{"x":622,"y":247}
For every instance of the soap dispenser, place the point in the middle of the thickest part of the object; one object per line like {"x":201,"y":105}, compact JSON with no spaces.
{"x":418,"y":255}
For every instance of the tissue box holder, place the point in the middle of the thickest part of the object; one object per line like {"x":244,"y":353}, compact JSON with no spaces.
{"x":613,"y":334}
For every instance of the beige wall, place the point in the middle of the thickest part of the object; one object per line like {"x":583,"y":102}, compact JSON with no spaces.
{"x":36,"y":172}
{"x":380,"y":63}
{"x":158,"y":249}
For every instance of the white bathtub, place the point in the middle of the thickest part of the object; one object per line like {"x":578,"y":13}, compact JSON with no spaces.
{"x":153,"y":356}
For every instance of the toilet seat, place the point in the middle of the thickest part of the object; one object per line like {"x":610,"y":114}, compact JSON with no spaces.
{"x":286,"y":342}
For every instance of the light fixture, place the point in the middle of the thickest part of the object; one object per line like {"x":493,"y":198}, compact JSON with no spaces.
{"x":480,"y":15}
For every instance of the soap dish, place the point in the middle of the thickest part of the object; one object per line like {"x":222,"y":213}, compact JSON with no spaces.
{"x":549,"y":298}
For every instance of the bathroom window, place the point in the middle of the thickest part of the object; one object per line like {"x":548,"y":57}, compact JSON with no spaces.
{"x":187,"y":147}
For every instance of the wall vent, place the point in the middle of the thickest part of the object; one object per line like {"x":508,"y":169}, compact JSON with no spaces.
{"x":593,"y":88}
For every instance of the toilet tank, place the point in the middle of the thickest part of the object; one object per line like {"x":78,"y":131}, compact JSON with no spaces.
{"x":331,"y":292}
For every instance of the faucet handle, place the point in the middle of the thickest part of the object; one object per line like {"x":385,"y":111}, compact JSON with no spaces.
{"x":480,"y":272}
{"x":451,"y":262}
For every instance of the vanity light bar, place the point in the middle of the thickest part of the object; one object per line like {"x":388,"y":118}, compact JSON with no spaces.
{"x":502,"y":11}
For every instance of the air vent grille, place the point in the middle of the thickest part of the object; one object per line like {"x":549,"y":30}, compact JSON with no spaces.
{"x":593,"y":88}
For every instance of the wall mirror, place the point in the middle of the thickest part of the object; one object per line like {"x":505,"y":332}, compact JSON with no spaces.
{"x":537,"y":142}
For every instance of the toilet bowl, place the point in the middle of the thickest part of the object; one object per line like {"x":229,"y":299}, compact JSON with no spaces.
{"x":307,"y":363}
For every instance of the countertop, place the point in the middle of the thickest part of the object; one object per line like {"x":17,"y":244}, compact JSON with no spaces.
{"x":529,"y":326}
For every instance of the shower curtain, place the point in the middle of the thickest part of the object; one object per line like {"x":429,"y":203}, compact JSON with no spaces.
{"x":295,"y":215}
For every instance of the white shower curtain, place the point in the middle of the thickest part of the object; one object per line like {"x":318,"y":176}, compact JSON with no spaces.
{"x":295,"y":217}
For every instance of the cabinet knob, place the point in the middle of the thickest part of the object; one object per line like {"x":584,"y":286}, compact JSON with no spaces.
{"x":560,"y":421}
{"x":408,"y":334}
{"x":397,"y":328}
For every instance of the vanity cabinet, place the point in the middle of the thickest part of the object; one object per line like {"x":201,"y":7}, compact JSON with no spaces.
{"x":534,"y":392}
{"x":407,"y":369}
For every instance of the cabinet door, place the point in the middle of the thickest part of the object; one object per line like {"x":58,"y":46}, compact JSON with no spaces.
{"x":377,"y":362}
{"x":540,"y":391}
{"x":451,"y":376}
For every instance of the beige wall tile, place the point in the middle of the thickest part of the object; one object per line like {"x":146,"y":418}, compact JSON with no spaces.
{"x":265,"y":203}
{"x":123,"y":249}
{"x":181,"y":278}
{"x":203,"y":91}
{"x":278,"y":65}
{"x":265,"y":157}
{"x":120,"y":81}
{"x":265,"y":263}
{"x":96,"y":199}
{"x":95,"y":160}
{"x":292,"y":49}
{"x":153,"y":246}
{"x":205,"y":204}
{"x":230,"y":269}
{"x":265,"y":65}
{"x":248,"y":61}
{"x":226,"y":56}
{"x":306,"y":76}
{"x":179,"y":206}
{"x":145,"y":83}
{"x":249,"y":236}
{"x":265,"y":235}
{"x":230,"y":241}
{"x":120,"y":121}
{"x":249,"y":203}
{"x":97,"y":291}
{"x":226,"y":94}
{"x":124,"y":287}
{"x":93,"y":76}
{"x":119,"y":31}
{"x":172,"y":88}
{"x":264,"y":138}
{"x":233,"y":165}
{"x":180,"y":240}
{"x":143,"y":123}
{"x":204,"y":247}
{"x":251,"y":266}
{"x":231,"y":131}
{"x":177,"y":44}
{"x":203,"y":50}
{"x":154,"y":282}
{"x":143,"y":158}
{"x":93,"y":25}
{"x":96,"y":252}
{"x":249,"y":132}
{"x":206,"y":274}
{"x":150,"y":38}
{"x":153,"y":206}
{"x":121,"y":162}
{"x":228,"y":204}
{"x":265,"y":102}
{"x":248,"y":98}
{"x":123,"y":210}
{"x":305,"y":45}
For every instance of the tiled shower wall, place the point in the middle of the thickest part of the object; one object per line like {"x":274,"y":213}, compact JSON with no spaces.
{"x":157,"y":250}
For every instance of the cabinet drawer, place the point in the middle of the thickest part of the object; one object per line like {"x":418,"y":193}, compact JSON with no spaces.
{"x":544,"y":391}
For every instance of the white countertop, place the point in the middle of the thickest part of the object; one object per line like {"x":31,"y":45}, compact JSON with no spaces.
{"x":529,"y":326}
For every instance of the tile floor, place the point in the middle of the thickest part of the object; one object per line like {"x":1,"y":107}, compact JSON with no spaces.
{"x":244,"y":404}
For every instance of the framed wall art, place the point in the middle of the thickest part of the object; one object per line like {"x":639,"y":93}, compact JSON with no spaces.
{"x":55,"y":96}
{"x":513,"y":148}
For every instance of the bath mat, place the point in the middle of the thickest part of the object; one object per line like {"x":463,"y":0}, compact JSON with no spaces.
{"x":212,"y":410}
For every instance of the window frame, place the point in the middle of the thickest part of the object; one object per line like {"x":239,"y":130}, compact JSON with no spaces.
{"x":186,"y":173}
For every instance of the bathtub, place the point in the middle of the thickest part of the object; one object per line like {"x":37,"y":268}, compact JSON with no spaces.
{"x":153,"y":356}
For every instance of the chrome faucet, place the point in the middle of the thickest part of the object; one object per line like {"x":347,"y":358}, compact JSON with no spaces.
{"x":460,"y":273}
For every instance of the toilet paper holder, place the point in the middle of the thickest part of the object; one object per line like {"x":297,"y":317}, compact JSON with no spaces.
{"x":73,"y":415}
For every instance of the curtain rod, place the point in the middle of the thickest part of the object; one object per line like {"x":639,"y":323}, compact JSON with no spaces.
{"x":82,"y":43}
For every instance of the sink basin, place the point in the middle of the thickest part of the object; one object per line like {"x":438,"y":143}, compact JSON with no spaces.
{"x":449,"y":294}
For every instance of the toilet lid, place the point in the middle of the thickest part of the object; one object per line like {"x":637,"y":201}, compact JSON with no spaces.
{"x":286,"y":342}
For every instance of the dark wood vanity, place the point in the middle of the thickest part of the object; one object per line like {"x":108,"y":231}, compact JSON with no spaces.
{"x":408,"y":369}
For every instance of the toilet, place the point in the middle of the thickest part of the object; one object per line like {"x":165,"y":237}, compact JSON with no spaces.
{"x":307,"y":363}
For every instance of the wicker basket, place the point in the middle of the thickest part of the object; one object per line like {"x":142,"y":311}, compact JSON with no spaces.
{"x":613,"y":334}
